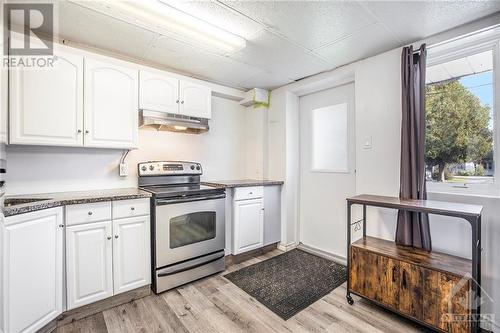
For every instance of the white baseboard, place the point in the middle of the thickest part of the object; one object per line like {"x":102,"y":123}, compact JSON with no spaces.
{"x":327,"y":255}
{"x":287,"y":247}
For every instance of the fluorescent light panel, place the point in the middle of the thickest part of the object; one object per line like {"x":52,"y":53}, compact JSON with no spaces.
{"x":160,"y":17}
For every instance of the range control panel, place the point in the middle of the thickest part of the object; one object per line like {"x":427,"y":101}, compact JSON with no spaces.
{"x":165,"y":168}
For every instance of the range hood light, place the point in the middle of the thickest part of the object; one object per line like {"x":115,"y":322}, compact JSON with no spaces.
{"x":162,"y":121}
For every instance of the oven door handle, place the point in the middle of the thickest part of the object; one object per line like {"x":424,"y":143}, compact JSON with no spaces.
{"x":194,"y":264}
{"x":160,"y":202}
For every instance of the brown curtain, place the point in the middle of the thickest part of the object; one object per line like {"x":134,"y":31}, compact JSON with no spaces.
{"x":413,"y":228}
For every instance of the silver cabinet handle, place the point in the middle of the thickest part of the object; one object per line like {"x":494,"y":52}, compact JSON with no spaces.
{"x":109,"y":237}
{"x":116,"y":236}
{"x":87,"y":131}
{"x":90,"y":213}
{"x":132,"y":208}
{"x":177,"y":101}
{"x":79,"y":131}
{"x":61,"y":225}
{"x":182,"y":102}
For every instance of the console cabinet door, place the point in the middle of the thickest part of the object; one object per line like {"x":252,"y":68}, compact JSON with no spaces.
{"x":111,"y":105}
{"x":89,"y":263}
{"x":32,"y":270}
{"x":46,"y":105}
{"x":196,"y":100}
{"x":248,"y":225}
{"x":158,"y":92}
{"x":131,"y":253}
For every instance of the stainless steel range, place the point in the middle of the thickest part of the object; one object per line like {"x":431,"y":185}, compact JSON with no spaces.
{"x":188,"y":223}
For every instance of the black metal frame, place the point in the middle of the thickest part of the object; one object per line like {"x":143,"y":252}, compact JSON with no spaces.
{"x":475,"y":223}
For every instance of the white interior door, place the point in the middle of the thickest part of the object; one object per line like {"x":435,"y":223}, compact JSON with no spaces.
{"x":327,"y":175}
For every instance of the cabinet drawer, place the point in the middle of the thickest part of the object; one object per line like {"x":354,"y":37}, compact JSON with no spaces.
{"x":84,"y":213}
{"x":130,"y":208}
{"x":252,"y":192}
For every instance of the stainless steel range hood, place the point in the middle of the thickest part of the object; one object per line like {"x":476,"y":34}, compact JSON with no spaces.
{"x":162,"y":121}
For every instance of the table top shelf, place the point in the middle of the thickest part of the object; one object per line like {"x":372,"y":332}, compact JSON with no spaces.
{"x":423,"y":206}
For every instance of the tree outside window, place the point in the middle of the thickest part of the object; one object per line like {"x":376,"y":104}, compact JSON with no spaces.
{"x":459,"y":124}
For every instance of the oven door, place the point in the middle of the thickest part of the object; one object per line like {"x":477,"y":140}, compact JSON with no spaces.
{"x":188,"y":228}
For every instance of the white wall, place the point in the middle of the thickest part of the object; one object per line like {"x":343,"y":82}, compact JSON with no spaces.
{"x":378,"y":114}
{"x":222,"y":152}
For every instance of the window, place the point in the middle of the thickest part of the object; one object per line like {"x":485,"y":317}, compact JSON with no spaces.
{"x":330,"y":139}
{"x":460,"y":119}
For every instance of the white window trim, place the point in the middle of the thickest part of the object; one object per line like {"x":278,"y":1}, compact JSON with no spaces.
{"x":458,"y":49}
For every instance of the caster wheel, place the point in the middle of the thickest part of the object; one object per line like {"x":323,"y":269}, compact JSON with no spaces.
{"x":350,"y":300}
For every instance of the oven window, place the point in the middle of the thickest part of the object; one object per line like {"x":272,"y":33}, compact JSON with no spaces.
{"x":191,"y":228}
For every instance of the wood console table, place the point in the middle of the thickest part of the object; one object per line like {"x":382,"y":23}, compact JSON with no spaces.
{"x":375,"y":254}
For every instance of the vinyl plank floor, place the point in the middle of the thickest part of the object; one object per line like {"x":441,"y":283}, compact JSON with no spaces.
{"x":214,"y":304}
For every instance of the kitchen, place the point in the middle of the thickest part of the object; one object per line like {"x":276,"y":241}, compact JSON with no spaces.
{"x":141,"y":178}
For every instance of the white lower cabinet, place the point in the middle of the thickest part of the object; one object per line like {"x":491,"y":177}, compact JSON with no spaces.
{"x":31,"y":287}
{"x":89,"y":255}
{"x":248,"y":224}
{"x":255,"y":217}
{"x":105,"y":258}
{"x":131,"y":253}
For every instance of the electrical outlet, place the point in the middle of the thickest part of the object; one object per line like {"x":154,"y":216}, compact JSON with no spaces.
{"x":123,"y":170}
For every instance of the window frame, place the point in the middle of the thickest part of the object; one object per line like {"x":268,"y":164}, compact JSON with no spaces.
{"x":456,"y":49}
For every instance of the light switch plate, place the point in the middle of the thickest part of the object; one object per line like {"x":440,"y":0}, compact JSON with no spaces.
{"x":367,"y":142}
{"x":123,"y":170}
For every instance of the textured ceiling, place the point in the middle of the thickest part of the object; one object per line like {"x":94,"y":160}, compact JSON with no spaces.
{"x":286,"y":40}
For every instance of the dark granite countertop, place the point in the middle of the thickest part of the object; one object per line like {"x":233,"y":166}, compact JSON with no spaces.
{"x":68,"y":198}
{"x":243,"y":183}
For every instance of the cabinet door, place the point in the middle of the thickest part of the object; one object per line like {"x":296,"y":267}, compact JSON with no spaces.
{"x":32,"y":269}
{"x":111,"y":105}
{"x":46,"y":105}
{"x":196,"y":100}
{"x":158,"y":92}
{"x":248,"y":225}
{"x":88,"y":263}
{"x":131,"y":253}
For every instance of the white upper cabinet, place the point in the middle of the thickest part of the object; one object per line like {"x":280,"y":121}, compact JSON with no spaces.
{"x":111,"y":104}
{"x":158,"y":92}
{"x":31,"y":269}
{"x":46,"y":105}
{"x":196,"y":100}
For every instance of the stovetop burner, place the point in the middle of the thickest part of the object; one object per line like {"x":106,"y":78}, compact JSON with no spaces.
{"x":167,"y":179}
{"x":167,"y":191}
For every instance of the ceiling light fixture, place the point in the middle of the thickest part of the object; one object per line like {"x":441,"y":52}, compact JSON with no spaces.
{"x":159,"y":16}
